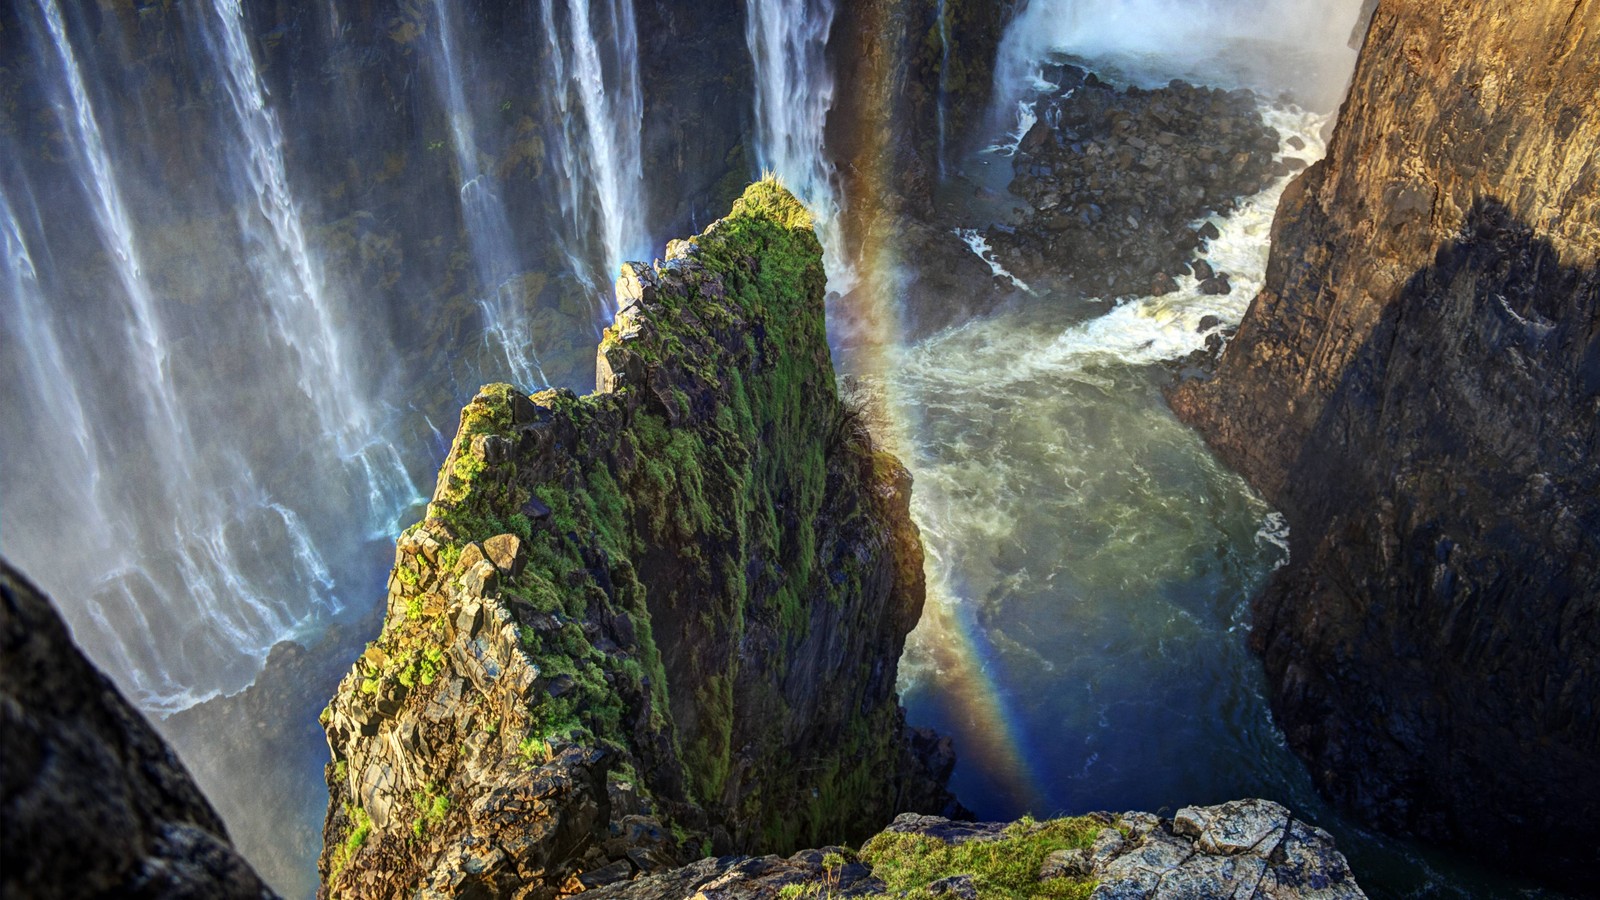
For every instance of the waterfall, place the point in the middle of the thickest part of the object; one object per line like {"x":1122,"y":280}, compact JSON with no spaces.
{"x":161,"y":417}
{"x":794,"y":91}
{"x":93,"y":163}
{"x":944,"y":80}
{"x":292,"y":282}
{"x":595,"y":93}
{"x":505,"y":313}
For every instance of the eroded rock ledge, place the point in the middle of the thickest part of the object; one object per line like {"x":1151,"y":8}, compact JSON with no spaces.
{"x":650,"y":623}
{"x":1244,"y":849}
{"x":1418,"y":388}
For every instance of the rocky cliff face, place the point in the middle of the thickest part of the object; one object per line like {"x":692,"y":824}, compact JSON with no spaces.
{"x":648,"y":623}
{"x":95,"y":803}
{"x":1248,"y":848}
{"x":904,"y":66}
{"x":1418,"y":386}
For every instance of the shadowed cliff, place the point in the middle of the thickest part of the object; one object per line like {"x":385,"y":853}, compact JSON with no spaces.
{"x":1418,"y":386}
{"x":95,"y":803}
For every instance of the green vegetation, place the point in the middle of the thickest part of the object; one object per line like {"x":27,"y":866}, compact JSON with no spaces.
{"x":1002,"y":869}
{"x":714,"y":471}
{"x":361,"y":827}
{"x":432,"y":807}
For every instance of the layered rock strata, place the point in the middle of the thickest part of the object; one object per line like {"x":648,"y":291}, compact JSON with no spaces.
{"x":1418,"y":387}
{"x":649,"y":623}
{"x":1247,"y":848}
{"x":94,"y":801}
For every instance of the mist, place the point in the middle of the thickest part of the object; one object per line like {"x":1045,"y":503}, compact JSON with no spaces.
{"x":1298,"y":48}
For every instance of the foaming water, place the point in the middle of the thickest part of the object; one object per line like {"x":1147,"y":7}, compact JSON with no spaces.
{"x":1081,"y":538}
{"x":1099,"y":556}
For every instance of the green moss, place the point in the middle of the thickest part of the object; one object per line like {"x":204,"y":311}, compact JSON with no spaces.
{"x":1002,"y":869}
{"x":713,"y":473}
{"x":355,"y":839}
{"x":433,"y":805}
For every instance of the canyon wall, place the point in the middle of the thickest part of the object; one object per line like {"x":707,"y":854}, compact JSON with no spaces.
{"x":1418,"y":388}
{"x":650,"y":623}
{"x":95,"y":802}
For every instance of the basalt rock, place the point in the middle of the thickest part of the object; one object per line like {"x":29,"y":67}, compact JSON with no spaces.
{"x":1247,"y":848}
{"x":650,"y":623}
{"x":1418,"y":388}
{"x":95,"y":802}
{"x":1115,"y":180}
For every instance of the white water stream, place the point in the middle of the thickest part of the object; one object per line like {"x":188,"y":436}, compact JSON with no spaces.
{"x":594,"y":84}
{"x":506,"y":320}
{"x":794,"y":91}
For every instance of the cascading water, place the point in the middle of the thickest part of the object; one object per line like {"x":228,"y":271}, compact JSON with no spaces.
{"x":120,"y":622}
{"x":944,"y":82}
{"x":794,"y":91}
{"x":594,"y":86}
{"x":138,"y":475}
{"x":506,"y":320}
{"x":291,"y":279}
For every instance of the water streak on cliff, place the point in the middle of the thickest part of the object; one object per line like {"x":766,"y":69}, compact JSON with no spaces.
{"x":794,"y":91}
{"x":488,"y":227}
{"x":304,"y":312}
{"x":593,"y":80}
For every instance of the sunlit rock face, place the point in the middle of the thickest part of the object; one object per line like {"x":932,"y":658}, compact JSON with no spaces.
{"x":649,"y":623}
{"x":1246,"y":848}
{"x":95,"y":802}
{"x":1417,"y":387}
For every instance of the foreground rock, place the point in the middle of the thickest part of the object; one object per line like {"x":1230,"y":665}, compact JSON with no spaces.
{"x":95,"y":803}
{"x":651,"y":623}
{"x":1418,"y":388}
{"x":1115,"y":180}
{"x":1248,"y":848}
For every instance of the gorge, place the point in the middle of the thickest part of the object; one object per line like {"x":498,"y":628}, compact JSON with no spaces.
{"x":259,"y":255}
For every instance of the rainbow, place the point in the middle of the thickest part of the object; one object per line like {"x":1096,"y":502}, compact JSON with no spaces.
{"x":948,"y":646}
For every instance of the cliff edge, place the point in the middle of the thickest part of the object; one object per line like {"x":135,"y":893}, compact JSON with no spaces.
{"x":95,"y":803}
{"x":650,"y":623}
{"x":1418,"y":388}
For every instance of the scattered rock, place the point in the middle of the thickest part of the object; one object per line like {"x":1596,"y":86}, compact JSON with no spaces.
{"x":1114,"y":179}
{"x":955,"y":887}
{"x":1247,"y":848}
{"x":505,"y":551}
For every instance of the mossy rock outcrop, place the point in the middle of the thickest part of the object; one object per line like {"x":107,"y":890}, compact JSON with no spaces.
{"x":645,"y":624}
{"x":1244,"y":848}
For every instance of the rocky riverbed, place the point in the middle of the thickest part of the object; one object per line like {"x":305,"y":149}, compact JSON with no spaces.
{"x":1116,"y":179}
